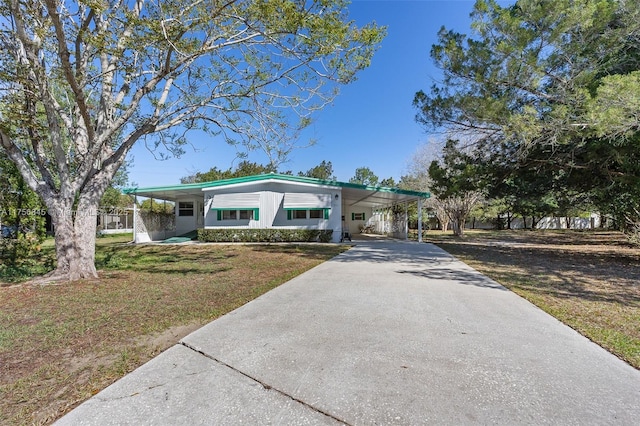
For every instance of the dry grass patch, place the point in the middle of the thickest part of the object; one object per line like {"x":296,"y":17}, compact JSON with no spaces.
{"x":61,"y":344}
{"x":588,"y":280}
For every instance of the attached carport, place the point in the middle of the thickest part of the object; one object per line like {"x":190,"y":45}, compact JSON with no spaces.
{"x":168,"y":193}
{"x":143,"y":232}
{"x":382,"y":198}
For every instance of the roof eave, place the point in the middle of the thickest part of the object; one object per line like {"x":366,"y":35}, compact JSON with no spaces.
{"x":245,"y":180}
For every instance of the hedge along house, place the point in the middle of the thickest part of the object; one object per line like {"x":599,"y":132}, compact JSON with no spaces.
{"x":273,"y":201}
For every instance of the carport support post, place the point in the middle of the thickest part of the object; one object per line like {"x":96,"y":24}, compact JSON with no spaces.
{"x":135,"y":216}
{"x":406,"y":220}
{"x":419,"y":220}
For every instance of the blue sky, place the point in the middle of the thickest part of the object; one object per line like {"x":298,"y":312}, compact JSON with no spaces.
{"x":370,"y":124}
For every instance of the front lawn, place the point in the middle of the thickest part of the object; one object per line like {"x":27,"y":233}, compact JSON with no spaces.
{"x":61,"y":344}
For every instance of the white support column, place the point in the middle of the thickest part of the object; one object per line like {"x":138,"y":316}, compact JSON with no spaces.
{"x":135,"y":216}
{"x":419,"y":220}
{"x":406,"y":220}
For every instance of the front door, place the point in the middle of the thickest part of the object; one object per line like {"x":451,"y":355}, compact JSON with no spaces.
{"x":199,"y":214}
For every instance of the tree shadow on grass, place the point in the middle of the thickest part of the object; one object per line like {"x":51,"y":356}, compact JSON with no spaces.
{"x":183,"y":271}
{"x":613,"y":239}
{"x":143,"y":256}
{"x":311,"y":251}
{"x":203,"y":259}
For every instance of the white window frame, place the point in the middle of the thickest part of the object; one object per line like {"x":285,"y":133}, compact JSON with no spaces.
{"x":229,"y":214}
{"x":291,"y":214}
{"x":245,"y":211}
{"x":318,"y":211}
{"x":184,"y":208}
{"x":232,"y":214}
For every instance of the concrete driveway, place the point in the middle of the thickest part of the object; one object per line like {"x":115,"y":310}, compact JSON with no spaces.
{"x":387,"y":333}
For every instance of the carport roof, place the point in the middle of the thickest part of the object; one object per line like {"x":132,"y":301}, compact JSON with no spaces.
{"x":352,"y":194}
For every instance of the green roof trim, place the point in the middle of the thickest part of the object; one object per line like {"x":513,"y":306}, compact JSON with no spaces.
{"x":277,"y":176}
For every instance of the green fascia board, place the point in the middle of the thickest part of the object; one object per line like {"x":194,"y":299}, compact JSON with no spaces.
{"x":166,"y":188}
{"x":277,"y":176}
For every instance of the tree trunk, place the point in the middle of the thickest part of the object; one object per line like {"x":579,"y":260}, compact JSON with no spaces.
{"x":75,"y":237}
{"x":458,"y":227}
{"x":455,"y":228}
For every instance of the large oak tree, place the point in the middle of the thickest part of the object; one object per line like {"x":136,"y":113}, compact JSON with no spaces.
{"x":82,"y":81}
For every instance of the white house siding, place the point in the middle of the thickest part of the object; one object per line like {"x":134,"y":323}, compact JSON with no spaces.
{"x":353,"y":226}
{"x":186,"y":224}
{"x":270,"y":203}
{"x":271,"y":210}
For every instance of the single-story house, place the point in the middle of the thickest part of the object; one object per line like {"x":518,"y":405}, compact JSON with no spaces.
{"x":272,"y":201}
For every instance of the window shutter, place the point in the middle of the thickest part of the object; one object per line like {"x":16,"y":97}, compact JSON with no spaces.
{"x":353,"y":216}
{"x":219,"y":214}
{"x":288,"y":214}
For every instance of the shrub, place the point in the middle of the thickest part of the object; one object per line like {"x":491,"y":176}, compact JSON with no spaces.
{"x":21,"y":258}
{"x":264,"y":235}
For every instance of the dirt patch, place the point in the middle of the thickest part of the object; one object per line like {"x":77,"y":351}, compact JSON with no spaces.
{"x":167,"y":338}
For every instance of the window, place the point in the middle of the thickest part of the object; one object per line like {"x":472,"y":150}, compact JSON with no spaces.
{"x":237,"y":214}
{"x":185,"y":208}
{"x":246,"y":214}
{"x":357,"y":216}
{"x":307,"y":214}
{"x":229,"y":214}
{"x":316,"y":214}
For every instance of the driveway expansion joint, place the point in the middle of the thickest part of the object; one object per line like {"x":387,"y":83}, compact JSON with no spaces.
{"x":265,"y":385}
